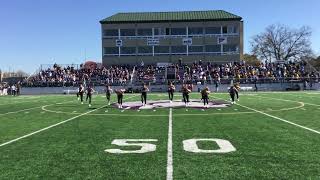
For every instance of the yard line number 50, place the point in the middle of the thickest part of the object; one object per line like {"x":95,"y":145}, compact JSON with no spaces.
{"x":189,"y":145}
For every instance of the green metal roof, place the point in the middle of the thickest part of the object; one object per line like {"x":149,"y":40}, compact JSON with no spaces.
{"x":141,"y":17}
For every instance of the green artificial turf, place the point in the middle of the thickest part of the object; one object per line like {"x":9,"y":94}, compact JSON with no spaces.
{"x":266,"y":147}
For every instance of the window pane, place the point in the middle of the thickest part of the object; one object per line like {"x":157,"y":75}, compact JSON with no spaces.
{"x":167,"y":31}
{"x":144,"y":49}
{"x":144,"y":32}
{"x":111,"y":32}
{"x":195,"y":30}
{"x":156,"y":31}
{"x":178,"y":49}
{"x":127,"y":32}
{"x":213,"y":30}
{"x":161,"y":49}
{"x":111,"y":50}
{"x":225,"y":30}
{"x":178,"y":31}
{"x":195,"y":48}
{"x":231,"y":29}
{"x":128,"y":50}
{"x":213,"y":48}
{"x":230,"y":48}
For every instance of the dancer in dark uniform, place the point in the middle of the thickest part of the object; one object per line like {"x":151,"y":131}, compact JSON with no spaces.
{"x":80,"y":93}
{"x":205,"y":96}
{"x":237,"y":86}
{"x":108,"y":93}
{"x":232,"y":93}
{"x":171,"y":89}
{"x":144,"y":91}
{"x":89,"y":94}
{"x":185,"y":94}
{"x":119,"y":93}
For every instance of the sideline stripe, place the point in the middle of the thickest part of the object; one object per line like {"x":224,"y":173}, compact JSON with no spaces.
{"x":275,"y":117}
{"x":170,"y":154}
{"x":54,"y":125}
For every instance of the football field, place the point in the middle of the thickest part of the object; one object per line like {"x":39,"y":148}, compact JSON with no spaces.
{"x":266,"y":135}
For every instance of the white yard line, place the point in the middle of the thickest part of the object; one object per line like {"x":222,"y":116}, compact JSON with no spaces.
{"x":57,"y":124}
{"x":54,"y":125}
{"x":283,"y":120}
{"x":170,"y":154}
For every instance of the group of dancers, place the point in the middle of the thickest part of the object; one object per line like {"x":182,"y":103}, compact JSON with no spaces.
{"x":81,"y":91}
{"x":185,"y":90}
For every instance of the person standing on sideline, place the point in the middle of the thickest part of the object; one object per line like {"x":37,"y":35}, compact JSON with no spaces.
{"x":13,"y":90}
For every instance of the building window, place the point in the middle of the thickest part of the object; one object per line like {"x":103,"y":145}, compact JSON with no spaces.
{"x":128,"y":50}
{"x":213,"y":30}
{"x":144,"y":32}
{"x":162,"y":49}
{"x":159,"y":31}
{"x":111,"y":50}
{"x":178,"y":31}
{"x":178,"y":49}
{"x":195,"y":30}
{"x":167,"y":31}
{"x":195,"y":49}
{"x":230,"y":48}
{"x":213,"y":48}
{"x":127,"y":32}
{"x":224,"y":29}
{"x":232,"y":29}
{"x":145,"y":49}
{"x":110,"y":32}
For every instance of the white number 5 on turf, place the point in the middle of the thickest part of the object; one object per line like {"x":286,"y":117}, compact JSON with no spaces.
{"x":145,"y":147}
{"x":225,"y":146}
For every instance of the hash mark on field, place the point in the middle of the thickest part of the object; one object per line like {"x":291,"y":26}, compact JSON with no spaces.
{"x":219,"y":109}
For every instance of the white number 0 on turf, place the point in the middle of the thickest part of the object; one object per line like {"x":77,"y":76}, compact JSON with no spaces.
{"x":189,"y":145}
{"x":225,"y":146}
{"x":145,"y":147}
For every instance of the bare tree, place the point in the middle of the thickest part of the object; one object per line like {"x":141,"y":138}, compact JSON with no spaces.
{"x":280,"y":42}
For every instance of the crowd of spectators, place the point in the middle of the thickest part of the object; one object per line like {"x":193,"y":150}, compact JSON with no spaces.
{"x":244,"y":73}
{"x":7,"y":89}
{"x":69,"y":76}
{"x":196,"y":72}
